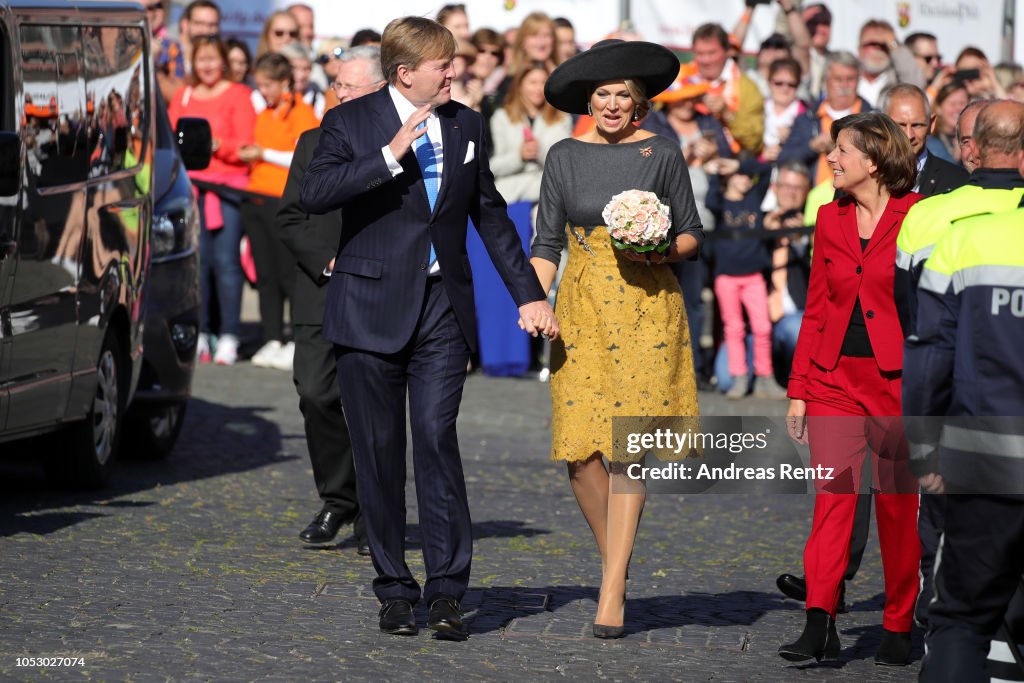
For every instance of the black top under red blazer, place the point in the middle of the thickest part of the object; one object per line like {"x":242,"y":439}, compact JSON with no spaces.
{"x":841,"y":272}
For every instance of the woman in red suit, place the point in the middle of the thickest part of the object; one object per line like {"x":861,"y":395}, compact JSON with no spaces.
{"x":845,"y":382}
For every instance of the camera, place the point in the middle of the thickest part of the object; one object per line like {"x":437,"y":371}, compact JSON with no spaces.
{"x":964,"y":75}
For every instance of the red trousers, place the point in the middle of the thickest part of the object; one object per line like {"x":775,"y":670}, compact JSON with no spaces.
{"x":856,"y":406}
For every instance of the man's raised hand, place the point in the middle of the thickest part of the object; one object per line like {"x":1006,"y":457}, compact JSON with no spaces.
{"x":407,"y":134}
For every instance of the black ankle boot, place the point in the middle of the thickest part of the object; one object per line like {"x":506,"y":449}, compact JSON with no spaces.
{"x":819,"y":641}
{"x":894,"y":649}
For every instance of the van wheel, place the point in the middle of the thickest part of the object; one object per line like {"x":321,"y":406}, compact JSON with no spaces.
{"x":92,"y":444}
{"x":153,"y":428}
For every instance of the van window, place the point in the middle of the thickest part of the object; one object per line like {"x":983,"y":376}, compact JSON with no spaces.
{"x":55,"y":125}
{"x":115,"y":89}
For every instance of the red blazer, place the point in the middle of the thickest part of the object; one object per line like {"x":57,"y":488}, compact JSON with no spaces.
{"x":840,"y":272}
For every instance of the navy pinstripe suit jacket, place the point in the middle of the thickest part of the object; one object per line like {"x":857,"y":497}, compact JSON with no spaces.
{"x":379,"y":280}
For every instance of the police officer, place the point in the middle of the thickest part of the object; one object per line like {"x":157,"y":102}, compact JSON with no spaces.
{"x":995,"y":186}
{"x":964,"y":362}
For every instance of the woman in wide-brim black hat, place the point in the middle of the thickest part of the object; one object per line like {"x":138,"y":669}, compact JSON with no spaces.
{"x":624,"y":348}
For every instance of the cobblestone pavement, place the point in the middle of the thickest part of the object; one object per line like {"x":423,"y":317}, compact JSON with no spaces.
{"x":191,"y":569}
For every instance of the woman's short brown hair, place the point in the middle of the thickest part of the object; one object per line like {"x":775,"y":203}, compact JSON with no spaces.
{"x":208,"y":41}
{"x":409,"y":41}
{"x":885,"y":145}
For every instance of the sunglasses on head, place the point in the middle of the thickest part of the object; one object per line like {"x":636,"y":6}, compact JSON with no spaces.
{"x":280,"y":33}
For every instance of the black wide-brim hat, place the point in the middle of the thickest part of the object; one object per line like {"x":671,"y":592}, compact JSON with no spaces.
{"x":570,"y":85}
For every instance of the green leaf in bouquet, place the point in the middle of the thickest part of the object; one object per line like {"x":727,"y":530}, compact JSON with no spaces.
{"x":660,"y":248}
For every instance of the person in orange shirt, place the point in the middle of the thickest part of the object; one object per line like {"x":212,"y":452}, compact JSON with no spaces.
{"x":275,"y":135}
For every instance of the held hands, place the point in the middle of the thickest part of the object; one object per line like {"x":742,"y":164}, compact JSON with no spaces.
{"x":407,"y":134}
{"x":537,"y":317}
{"x":796,"y":421}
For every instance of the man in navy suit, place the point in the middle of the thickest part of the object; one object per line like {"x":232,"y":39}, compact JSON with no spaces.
{"x":408,"y":168}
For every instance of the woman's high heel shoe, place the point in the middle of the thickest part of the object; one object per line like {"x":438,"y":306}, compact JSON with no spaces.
{"x":819,"y":641}
{"x":611,"y":632}
{"x":608,"y":632}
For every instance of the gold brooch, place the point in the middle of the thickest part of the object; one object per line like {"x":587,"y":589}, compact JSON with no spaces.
{"x":646,"y":151}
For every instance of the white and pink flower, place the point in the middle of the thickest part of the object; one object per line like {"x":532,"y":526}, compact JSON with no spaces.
{"x":637,"y":220}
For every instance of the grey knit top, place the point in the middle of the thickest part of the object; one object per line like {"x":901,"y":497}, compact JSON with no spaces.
{"x":580,"y":178}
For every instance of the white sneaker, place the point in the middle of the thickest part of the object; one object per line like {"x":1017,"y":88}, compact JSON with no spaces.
{"x":264,"y":358}
{"x":227,"y":350}
{"x":203,"y":348}
{"x":284,"y":359}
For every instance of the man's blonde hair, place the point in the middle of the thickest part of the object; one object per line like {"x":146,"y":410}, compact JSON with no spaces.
{"x":409,"y":41}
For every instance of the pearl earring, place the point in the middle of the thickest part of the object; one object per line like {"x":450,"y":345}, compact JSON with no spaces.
{"x":590,"y":111}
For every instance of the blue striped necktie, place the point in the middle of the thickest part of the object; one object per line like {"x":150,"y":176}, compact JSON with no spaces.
{"x":431,"y":178}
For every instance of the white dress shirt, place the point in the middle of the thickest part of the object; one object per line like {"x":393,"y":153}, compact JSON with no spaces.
{"x":405,"y":110}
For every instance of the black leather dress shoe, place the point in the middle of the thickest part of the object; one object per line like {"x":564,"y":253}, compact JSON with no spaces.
{"x":362,"y":547}
{"x":445,"y":619}
{"x":324,"y":527}
{"x":396,"y":618}
{"x":795,"y":588}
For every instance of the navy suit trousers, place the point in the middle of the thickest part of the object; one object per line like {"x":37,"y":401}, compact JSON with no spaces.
{"x":432,"y":370}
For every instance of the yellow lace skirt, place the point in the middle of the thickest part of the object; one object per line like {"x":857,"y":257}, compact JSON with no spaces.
{"x":624,"y":348}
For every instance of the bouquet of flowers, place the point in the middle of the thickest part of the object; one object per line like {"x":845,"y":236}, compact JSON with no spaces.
{"x":637,"y":220}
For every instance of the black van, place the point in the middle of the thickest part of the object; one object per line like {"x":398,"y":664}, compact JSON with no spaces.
{"x":79,"y":167}
{"x":172,"y":293}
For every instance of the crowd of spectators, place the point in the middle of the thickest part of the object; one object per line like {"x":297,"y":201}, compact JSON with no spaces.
{"x":754,"y":130}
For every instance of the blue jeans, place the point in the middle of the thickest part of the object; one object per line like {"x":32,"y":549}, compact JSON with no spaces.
{"x":786,"y":331}
{"x":784,"y":335}
{"x":220,"y":270}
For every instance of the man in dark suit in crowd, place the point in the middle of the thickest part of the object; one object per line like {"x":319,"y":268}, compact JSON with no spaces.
{"x":908,"y":106}
{"x":314,"y":241}
{"x":408,"y":168}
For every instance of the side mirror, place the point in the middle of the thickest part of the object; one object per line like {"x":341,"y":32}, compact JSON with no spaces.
{"x":10,"y":163}
{"x":195,"y":142}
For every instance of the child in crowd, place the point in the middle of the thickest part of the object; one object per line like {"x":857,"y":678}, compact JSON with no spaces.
{"x":276,"y":134}
{"x":736,"y":191}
